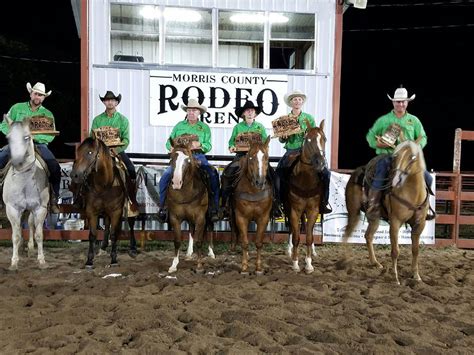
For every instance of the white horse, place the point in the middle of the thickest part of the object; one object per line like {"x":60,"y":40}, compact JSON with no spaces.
{"x":26,"y":188}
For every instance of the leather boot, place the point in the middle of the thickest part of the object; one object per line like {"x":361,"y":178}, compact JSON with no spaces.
{"x":132,"y":194}
{"x":373,"y":208}
{"x":53,"y":203}
{"x":2,"y":205}
{"x":431,"y":214}
{"x":224,"y":212}
{"x":163,"y":215}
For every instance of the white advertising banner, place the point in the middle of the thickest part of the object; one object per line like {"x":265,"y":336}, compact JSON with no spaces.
{"x":334,"y":223}
{"x":221,"y":93}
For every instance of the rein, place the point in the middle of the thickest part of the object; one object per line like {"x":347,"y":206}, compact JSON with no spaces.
{"x":415,"y":208}
{"x":25,"y":168}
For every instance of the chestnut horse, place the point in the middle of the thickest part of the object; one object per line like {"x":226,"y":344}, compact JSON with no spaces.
{"x":406,"y":202}
{"x":103,"y":189}
{"x":252,"y":200}
{"x":305,"y":192}
{"x":187,"y":200}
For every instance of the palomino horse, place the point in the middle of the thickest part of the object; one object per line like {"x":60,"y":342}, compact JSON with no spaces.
{"x":305,"y":191}
{"x":187,"y":200}
{"x":26,"y":188}
{"x":406,"y":202}
{"x":104,"y":193}
{"x":252,"y":200}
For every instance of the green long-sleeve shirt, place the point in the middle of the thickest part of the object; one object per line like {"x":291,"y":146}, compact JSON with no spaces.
{"x":117,"y":121}
{"x":295,"y":141}
{"x":200,"y":129}
{"x":411,"y":127}
{"x":21,"y":110}
{"x":243,"y":127}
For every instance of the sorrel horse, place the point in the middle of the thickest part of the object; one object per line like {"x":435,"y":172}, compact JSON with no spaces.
{"x":406,"y":202}
{"x":187,"y":200}
{"x":104,"y":194}
{"x":26,"y":188}
{"x":252,"y":201}
{"x":305,"y":192}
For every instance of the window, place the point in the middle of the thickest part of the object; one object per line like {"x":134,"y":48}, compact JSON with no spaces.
{"x":241,"y":38}
{"x":134,"y":34}
{"x":193,"y":36}
{"x":292,"y":41}
{"x":188,"y":38}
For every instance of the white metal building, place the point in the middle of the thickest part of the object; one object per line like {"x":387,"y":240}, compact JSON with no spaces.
{"x":159,"y":53}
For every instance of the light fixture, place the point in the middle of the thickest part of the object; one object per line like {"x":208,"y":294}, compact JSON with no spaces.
{"x":358,"y":4}
{"x":171,"y":14}
{"x":258,"y":18}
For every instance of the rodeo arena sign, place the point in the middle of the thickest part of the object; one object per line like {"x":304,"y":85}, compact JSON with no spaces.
{"x":220,"y":92}
{"x":333,"y":224}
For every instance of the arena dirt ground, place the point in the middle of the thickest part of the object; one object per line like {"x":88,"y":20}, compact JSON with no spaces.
{"x":68,"y":309}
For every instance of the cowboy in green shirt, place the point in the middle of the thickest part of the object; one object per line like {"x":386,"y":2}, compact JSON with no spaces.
{"x":412,"y":129}
{"x":33,"y":108}
{"x":192,"y":125}
{"x":248,"y":113}
{"x":112,"y":118}
{"x":293,"y":144}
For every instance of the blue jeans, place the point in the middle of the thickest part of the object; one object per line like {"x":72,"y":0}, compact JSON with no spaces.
{"x":382,"y":169}
{"x":48,"y":157}
{"x":212,"y":173}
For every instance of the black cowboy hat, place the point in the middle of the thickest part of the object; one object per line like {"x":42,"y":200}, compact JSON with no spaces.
{"x":110,"y":95}
{"x":248,"y":104}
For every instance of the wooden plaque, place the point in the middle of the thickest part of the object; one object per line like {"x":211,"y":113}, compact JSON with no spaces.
{"x":109,"y":135}
{"x":243,"y":140}
{"x":286,"y":125}
{"x":185,"y":140}
{"x":42,"y":125}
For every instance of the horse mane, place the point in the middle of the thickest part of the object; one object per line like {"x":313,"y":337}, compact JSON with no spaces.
{"x":415,"y":148}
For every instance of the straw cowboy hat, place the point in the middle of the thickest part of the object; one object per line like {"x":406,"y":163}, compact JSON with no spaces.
{"x":248,"y":104}
{"x":192,"y":103}
{"x":109,"y":95}
{"x":39,"y":88}
{"x":291,"y":95}
{"x":401,"y":94}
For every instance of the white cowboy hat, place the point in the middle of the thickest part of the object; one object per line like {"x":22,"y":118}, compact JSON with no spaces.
{"x":193,"y":103}
{"x":291,"y":95}
{"x":401,"y":94}
{"x":39,"y":88}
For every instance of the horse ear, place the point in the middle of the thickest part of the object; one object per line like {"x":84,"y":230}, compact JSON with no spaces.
{"x":93,"y":135}
{"x":7,"y":119}
{"x":171,"y":142}
{"x":401,"y":137}
{"x":267,"y":141}
{"x":321,"y":125}
{"x":308,"y":124}
{"x":26,"y":122}
{"x":418,"y":140}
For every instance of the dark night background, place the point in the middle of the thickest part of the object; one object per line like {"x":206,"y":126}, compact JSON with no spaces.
{"x":424,"y":45}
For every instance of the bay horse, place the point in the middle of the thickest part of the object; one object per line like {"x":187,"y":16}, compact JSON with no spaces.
{"x":187,"y":200}
{"x":252,"y":200}
{"x":104,"y":193}
{"x":406,"y":202}
{"x":26,"y":188}
{"x":305,"y":191}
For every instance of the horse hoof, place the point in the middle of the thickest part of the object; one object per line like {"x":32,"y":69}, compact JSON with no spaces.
{"x":13,"y":268}
{"x":296,"y":269}
{"x":133,"y":253}
{"x":114,"y":265}
{"x":188,"y":257}
{"x":245,"y":273}
{"x":89,"y":266}
{"x":259,"y":273}
{"x":172,"y":270}
{"x":200,"y":271}
{"x":43,"y":266}
{"x":308,"y":271}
